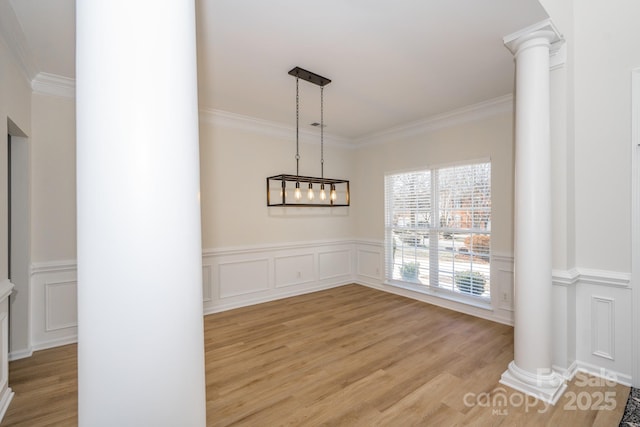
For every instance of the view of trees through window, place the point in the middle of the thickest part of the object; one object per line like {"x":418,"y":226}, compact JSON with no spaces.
{"x":438,"y":228}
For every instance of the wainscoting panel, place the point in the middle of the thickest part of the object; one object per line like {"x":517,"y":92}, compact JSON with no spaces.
{"x":59,"y":297}
{"x":249,"y":275}
{"x":602,"y":327}
{"x":334,"y":264}
{"x":243,"y":277}
{"x":294,"y":269}
{"x":502,"y":290}
{"x":370,"y":263}
{"x":604,"y":333}
{"x":53,"y":304}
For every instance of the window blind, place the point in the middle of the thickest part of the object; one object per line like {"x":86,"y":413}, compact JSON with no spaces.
{"x":438,"y":228}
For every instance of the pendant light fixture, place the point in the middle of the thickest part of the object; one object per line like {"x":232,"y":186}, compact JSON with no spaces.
{"x":277,"y":184}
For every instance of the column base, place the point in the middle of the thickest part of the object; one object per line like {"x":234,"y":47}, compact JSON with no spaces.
{"x":546,"y":387}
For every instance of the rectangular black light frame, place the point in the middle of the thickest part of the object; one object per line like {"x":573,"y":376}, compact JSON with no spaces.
{"x":281,"y":199}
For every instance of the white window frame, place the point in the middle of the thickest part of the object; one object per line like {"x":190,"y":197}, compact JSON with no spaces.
{"x":433,"y":287}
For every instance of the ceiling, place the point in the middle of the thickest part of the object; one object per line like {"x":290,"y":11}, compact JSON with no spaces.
{"x":391,"y":62}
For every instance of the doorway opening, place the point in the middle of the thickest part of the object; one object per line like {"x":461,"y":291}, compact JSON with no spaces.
{"x":18,"y":238}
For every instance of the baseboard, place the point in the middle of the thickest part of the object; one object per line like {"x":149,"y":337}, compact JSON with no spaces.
{"x":5,"y":401}
{"x":606,"y":374}
{"x":55,"y":343}
{"x":20,"y":354}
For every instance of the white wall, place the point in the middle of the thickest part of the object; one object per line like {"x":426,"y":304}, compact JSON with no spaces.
{"x":607,"y":48}
{"x":235,"y":160}
{"x":53,"y":178}
{"x":592,"y":211}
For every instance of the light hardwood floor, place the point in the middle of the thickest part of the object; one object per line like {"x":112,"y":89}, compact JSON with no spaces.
{"x":345,"y":356}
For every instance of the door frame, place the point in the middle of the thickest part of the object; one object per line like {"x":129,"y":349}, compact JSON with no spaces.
{"x":635,"y":222}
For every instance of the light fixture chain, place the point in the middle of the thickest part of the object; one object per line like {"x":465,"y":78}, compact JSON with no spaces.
{"x":297,"y":127}
{"x":322,"y":132}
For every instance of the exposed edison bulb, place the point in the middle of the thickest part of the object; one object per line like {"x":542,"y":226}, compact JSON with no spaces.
{"x":310,"y":194}
{"x":323,"y":194}
{"x":297,"y":194}
{"x":333,"y":194}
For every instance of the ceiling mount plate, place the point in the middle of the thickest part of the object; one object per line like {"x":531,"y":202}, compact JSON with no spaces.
{"x":309,"y":76}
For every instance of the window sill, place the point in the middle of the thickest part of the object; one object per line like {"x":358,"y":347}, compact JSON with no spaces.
{"x":477,"y":302}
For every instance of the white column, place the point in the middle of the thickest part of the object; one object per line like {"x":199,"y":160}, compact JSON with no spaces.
{"x":531,"y":372}
{"x":140,"y":341}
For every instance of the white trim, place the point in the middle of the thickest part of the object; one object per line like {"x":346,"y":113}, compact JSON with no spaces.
{"x":265,"y":127}
{"x":52,"y":84}
{"x":53,"y":267}
{"x":565,"y":278}
{"x":608,"y":374}
{"x":250,"y":249}
{"x":546,"y":387}
{"x":635,"y":222}
{"x":22,"y":354}
{"x":6,"y":398}
{"x":484,"y":109}
{"x":586,"y":276}
{"x":604,"y":278}
{"x":481,"y":110}
{"x":371,"y":242}
{"x":59,"y":342}
{"x":557,"y":55}
{"x":6,"y":287}
{"x":443,"y":165}
{"x":567,"y":373}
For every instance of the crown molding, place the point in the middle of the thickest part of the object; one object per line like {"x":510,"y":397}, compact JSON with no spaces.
{"x":274,"y":129}
{"x":502,"y":104}
{"x":13,"y":37}
{"x":52,"y":84}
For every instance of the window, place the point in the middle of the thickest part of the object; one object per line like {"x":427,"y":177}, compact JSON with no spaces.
{"x":438,"y":229}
